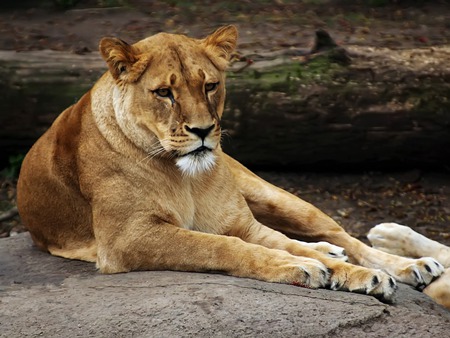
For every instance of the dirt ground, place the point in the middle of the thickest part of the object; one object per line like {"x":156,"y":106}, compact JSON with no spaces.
{"x":357,"y":200}
{"x":263,"y":25}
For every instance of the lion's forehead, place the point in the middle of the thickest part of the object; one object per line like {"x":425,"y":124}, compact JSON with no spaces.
{"x":178,"y":55}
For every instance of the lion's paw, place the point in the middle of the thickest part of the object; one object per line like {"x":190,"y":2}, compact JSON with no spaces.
{"x":331,"y":250}
{"x":401,"y":240}
{"x":362,"y":280}
{"x":307,"y":272}
{"x":393,"y":238}
{"x":420,"y":272}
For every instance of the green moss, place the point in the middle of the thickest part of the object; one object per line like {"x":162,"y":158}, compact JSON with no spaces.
{"x":319,"y":69}
{"x":432,"y":104}
{"x":287,"y":77}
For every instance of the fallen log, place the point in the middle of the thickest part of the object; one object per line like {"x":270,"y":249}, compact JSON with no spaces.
{"x":385,"y":108}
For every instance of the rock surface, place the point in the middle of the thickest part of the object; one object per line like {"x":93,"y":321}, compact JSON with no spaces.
{"x":42,"y":295}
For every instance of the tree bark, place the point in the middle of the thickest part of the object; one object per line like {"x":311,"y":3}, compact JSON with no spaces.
{"x":382,"y":109}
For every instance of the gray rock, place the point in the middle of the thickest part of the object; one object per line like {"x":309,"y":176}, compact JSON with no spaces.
{"x":42,"y":295}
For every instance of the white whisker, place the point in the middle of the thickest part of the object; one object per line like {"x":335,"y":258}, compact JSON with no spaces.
{"x":225,"y":135}
{"x":145,"y":158}
{"x":157,"y":150}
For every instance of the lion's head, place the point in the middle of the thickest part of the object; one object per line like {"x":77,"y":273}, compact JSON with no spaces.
{"x":169,"y":94}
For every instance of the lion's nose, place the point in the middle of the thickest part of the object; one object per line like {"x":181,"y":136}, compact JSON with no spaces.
{"x":200,"y":132}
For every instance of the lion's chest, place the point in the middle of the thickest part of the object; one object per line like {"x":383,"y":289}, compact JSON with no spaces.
{"x":200,"y":214}
{"x":210,"y":209}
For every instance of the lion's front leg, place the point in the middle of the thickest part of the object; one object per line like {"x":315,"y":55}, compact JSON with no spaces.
{"x":150,"y":243}
{"x":287,"y":213}
{"x":344,"y":276}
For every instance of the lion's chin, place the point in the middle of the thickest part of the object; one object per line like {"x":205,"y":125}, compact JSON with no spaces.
{"x":197,"y":163}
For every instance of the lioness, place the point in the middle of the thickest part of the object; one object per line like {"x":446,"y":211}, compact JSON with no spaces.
{"x":133,"y":177}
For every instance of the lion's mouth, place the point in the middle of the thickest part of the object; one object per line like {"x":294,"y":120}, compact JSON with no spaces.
{"x":200,"y":150}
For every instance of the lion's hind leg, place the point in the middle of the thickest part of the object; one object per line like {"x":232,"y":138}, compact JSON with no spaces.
{"x":403,"y":241}
{"x":285,"y":212}
{"x":83,"y":252}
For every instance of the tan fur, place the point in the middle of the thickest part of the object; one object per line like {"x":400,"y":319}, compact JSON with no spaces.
{"x":439,"y":290}
{"x":114,"y":180}
{"x":404,"y":241}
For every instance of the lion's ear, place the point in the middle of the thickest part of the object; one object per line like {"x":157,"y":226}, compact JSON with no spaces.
{"x":222,"y":43}
{"x":124,"y":62}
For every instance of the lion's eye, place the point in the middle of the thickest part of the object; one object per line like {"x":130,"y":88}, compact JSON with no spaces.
{"x":209,"y":87}
{"x":163,"y":92}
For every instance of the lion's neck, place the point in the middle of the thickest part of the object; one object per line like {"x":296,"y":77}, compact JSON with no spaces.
{"x":106,"y":122}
